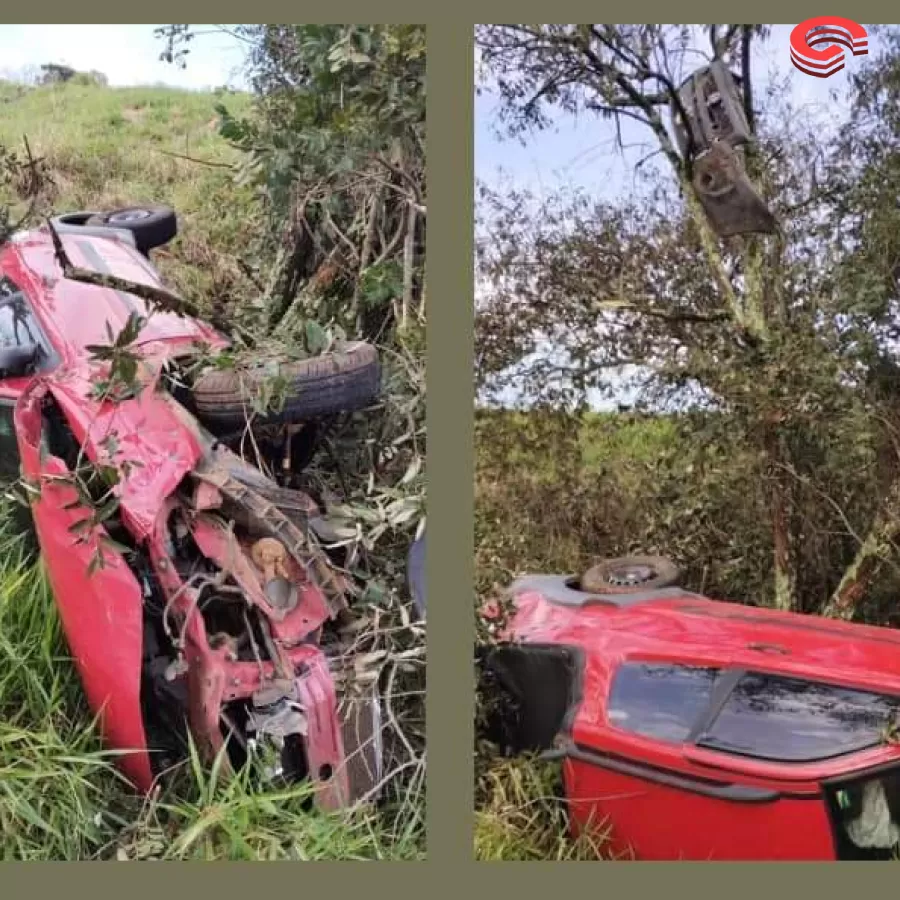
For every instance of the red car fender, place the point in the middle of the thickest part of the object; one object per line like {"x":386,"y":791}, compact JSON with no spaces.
{"x":101,"y":612}
{"x":149,"y":432}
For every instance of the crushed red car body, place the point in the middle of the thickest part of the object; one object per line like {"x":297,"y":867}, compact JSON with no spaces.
{"x":695,"y":729}
{"x":181,"y":621}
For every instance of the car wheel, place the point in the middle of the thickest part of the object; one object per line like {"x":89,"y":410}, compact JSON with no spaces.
{"x":341,"y":381}
{"x":151,"y":225}
{"x":628,"y":574}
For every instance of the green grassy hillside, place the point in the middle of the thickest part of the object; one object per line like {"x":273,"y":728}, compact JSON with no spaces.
{"x":109,"y":147}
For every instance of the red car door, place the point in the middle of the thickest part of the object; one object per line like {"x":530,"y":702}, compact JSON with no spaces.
{"x":101,"y":611}
{"x":634,"y":775}
{"x":653,"y":814}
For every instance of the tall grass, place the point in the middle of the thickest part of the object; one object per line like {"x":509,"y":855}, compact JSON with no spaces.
{"x":520,"y":816}
{"x":112,"y":147}
{"x":62,"y":798}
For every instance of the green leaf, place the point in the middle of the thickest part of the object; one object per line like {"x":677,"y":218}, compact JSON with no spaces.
{"x":127,"y":367}
{"x":100,"y":351}
{"x":130,"y":330}
{"x":106,"y":510}
{"x":107,"y":541}
{"x":95,"y":563}
{"x":316,"y":337}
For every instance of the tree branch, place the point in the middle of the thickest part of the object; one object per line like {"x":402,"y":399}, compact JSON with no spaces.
{"x":746,"y":35}
{"x":157,"y":297}
{"x":871,"y":555}
{"x":616,"y":305}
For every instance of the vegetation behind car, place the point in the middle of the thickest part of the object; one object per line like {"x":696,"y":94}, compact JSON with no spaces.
{"x":707,"y":487}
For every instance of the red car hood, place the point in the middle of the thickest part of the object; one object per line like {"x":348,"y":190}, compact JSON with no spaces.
{"x":155,"y":443}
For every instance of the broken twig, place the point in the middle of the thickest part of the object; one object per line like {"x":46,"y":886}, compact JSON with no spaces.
{"x":157,"y":297}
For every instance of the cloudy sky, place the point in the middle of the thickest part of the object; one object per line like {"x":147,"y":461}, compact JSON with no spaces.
{"x":126,"y":54}
{"x":580,"y":152}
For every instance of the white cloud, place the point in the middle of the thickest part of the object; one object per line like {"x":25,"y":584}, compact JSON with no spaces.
{"x":126,"y":54}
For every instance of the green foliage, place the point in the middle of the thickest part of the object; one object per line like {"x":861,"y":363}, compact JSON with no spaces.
{"x":801,"y":403}
{"x":380,"y":284}
{"x":335,"y":143}
{"x":93,"y":164}
{"x":121,"y":380}
{"x":521,"y":816}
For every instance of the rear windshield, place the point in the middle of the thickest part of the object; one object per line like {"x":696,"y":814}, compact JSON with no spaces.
{"x":659,"y":700}
{"x":791,"y":720}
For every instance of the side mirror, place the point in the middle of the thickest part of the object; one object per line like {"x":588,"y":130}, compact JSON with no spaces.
{"x":16,"y":361}
{"x":415,"y":572}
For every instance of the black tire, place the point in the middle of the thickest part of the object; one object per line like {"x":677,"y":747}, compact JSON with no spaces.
{"x":151,"y":224}
{"x":341,"y":381}
{"x":630,"y":574}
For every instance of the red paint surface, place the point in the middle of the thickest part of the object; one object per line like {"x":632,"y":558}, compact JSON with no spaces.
{"x":658,"y":822}
{"x":653,"y":822}
{"x":100,"y":613}
{"x":74,"y":315}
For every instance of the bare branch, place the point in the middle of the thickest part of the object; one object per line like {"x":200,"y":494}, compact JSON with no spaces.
{"x":156,"y":296}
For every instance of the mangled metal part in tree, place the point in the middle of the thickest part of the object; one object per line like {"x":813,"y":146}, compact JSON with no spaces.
{"x":711,"y":126}
{"x":728,"y":197}
{"x":711,"y":100}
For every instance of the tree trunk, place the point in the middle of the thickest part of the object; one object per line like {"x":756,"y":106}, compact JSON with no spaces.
{"x":871,"y":555}
{"x":780,"y":491}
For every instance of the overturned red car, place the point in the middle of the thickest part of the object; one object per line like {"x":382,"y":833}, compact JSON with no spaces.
{"x":701,"y":730}
{"x":196,"y":600}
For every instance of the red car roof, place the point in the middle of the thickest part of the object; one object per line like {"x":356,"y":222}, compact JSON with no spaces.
{"x":678,"y":626}
{"x":75,"y":314}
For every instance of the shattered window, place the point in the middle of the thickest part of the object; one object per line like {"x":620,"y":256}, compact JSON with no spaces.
{"x":791,"y":720}
{"x":17,"y":325}
{"x":660,"y":700}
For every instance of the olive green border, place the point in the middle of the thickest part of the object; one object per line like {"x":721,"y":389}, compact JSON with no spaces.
{"x":450,"y":867}
{"x":450,"y":445}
